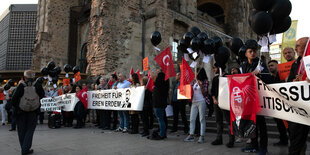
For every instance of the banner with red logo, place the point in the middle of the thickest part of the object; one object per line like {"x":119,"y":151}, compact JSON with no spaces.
{"x":244,"y":103}
{"x":287,"y":101}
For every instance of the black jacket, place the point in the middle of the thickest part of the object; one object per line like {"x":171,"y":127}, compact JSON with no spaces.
{"x":160,"y":95}
{"x":147,"y":100}
{"x":19,"y":92}
{"x":294,"y":70}
{"x":248,"y":68}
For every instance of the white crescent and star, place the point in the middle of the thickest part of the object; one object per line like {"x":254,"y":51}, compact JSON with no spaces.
{"x":84,"y":94}
{"x":165,"y":57}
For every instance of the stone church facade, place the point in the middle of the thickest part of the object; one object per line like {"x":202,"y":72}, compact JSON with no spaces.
{"x":103,"y":36}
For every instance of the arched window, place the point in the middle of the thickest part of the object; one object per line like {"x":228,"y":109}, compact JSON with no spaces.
{"x":83,"y":61}
{"x":214,"y":11}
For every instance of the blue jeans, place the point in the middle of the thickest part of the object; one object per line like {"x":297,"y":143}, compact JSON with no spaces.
{"x":201,"y":108}
{"x":123,"y":119}
{"x":159,"y":113}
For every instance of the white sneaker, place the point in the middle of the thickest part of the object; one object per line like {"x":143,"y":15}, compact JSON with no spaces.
{"x":189,"y":138}
{"x":201,"y":139}
{"x":125,"y":130}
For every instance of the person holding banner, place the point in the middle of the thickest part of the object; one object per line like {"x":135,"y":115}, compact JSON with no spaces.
{"x":134,"y":115}
{"x":254,"y":65}
{"x":219,"y":113}
{"x":199,"y":101}
{"x":178,"y":106}
{"x":102,"y":113}
{"x":113,"y":79}
{"x":67,"y":115}
{"x":123,"y":115}
{"x":298,"y":132}
{"x":160,"y":101}
{"x":147,"y":112}
{"x":273,"y":68}
{"x":79,"y":110}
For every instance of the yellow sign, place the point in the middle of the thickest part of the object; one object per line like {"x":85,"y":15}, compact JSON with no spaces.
{"x":289,"y":38}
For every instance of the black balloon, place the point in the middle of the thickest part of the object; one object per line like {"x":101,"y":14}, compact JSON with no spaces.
{"x":188,"y":36}
{"x":209,"y":46}
{"x":7,"y":87}
{"x":40,"y":80}
{"x":58,"y":70}
{"x":202,"y":36}
{"x":55,"y":79}
{"x":67,"y":68}
{"x":235,"y":45}
{"x":252,"y":44}
{"x":242,"y":51}
{"x":155,"y":38}
{"x":52,"y":73}
{"x":76,"y":69}
{"x":182,"y":46}
{"x":195,"y":44}
{"x":218,"y":42}
{"x":263,"y":5}
{"x":51,"y":65}
{"x":262,"y":23}
{"x":251,"y":17}
{"x":281,"y":9}
{"x":194,"y":56}
{"x":195,"y":30}
{"x":281,"y":25}
{"x":11,"y":82}
{"x":222,"y":55}
{"x":44,"y":71}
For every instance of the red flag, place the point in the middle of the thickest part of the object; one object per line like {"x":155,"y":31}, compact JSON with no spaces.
{"x":244,"y":101}
{"x":66,"y":82}
{"x":82,"y":95}
{"x":138,"y":72}
{"x":301,"y":69}
{"x":131,"y":72}
{"x":150,"y":84}
{"x":77,"y":77}
{"x":164,"y":60}
{"x":187,"y":76}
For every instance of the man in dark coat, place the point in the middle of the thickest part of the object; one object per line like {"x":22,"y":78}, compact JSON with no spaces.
{"x":26,"y":120}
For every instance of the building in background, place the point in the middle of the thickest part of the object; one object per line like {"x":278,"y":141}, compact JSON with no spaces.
{"x":103,"y":36}
{"x":275,"y":52}
{"x":17,"y":36}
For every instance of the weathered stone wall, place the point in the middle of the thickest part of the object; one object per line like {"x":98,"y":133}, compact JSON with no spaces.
{"x":114,"y":30}
{"x":53,"y":32}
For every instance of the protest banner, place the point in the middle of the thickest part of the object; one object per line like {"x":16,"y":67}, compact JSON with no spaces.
{"x":284,"y":70}
{"x":287,"y":101}
{"x":64,"y":102}
{"x":117,"y":99}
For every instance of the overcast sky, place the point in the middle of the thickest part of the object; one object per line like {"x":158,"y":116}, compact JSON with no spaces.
{"x":299,"y":12}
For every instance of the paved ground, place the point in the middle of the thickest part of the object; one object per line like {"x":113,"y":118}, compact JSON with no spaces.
{"x":90,"y":140}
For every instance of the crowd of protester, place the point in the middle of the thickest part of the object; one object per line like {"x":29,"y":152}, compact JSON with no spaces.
{"x":163,"y":94}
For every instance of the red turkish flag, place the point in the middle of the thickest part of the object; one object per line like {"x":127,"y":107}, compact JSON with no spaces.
{"x":301,"y":69}
{"x":187,"y":76}
{"x":82,"y":95}
{"x":138,"y":72}
{"x":244,"y":101}
{"x":131,"y":72}
{"x":164,"y":60}
{"x":150,"y":84}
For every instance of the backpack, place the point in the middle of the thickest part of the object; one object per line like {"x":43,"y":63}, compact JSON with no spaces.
{"x":30,"y":101}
